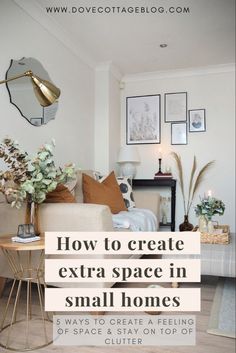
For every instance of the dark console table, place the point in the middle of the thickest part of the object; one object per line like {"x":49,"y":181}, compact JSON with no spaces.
{"x":170,"y":183}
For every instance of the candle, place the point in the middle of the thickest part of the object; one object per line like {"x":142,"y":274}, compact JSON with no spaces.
{"x":209,"y":194}
{"x":160,"y":153}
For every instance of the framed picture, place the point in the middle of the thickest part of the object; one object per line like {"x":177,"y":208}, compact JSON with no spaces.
{"x":197,"y":120}
{"x":179,"y":133}
{"x":175,"y":107}
{"x":143,"y":119}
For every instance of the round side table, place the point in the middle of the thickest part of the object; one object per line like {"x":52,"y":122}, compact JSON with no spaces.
{"x":24,"y":330}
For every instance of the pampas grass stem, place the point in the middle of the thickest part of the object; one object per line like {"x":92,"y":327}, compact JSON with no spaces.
{"x":192,"y":186}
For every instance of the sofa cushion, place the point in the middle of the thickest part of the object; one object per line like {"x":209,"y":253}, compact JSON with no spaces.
{"x":125,"y":184}
{"x":59,"y":195}
{"x":105,"y":193}
{"x":78,"y":189}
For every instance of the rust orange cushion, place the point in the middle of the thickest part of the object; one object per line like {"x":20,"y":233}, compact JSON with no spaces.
{"x":59,"y":195}
{"x":105,"y":193}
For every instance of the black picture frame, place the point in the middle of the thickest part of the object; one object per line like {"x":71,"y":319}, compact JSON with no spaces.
{"x":175,"y":107}
{"x":143,"y":119}
{"x":197,"y":120}
{"x":179,"y":135}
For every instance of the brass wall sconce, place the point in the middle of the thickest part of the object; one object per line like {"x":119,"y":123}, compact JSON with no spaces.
{"x":45,"y":92}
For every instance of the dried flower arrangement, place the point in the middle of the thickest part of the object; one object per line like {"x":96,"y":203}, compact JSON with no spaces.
{"x":30,"y":179}
{"x":193,"y":185}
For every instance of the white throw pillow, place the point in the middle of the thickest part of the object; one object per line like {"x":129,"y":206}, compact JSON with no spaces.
{"x":125,"y":184}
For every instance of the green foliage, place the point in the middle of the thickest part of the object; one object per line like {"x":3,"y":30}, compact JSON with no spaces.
{"x":208,"y":207}
{"x":31,"y":179}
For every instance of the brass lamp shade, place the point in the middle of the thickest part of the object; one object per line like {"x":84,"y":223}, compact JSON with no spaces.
{"x":45,"y":91}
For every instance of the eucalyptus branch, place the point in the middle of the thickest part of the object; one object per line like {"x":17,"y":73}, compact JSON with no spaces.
{"x":30,"y":178}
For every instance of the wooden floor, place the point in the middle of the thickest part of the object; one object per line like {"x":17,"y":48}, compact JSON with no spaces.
{"x":206,"y":343}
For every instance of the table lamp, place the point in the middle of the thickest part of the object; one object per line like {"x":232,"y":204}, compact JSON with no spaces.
{"x":128,"y":157}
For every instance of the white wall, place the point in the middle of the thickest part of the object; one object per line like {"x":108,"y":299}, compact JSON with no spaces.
{"x":73,"y":127}
{"x":101,"y":127}
{"x":114,"y":125}
{"x":107,"y":118}
{"x":213,"y":91}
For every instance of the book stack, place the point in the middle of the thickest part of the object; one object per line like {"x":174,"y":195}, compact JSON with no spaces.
{"x":25,"y":240}
{"x":163,"y":176}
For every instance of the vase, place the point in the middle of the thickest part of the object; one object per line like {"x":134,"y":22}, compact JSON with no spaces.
{"x":32,"y":216}
{"x":185,"y":226}
{"x":210,"y":227}
{"x":205,"y":225}
{"x":202,"y":224}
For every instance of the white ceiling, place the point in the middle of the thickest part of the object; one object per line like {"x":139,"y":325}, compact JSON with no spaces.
{"x":204,"y":37}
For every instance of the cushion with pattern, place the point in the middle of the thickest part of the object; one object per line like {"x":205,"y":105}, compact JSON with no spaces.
{"x":125,"y":184}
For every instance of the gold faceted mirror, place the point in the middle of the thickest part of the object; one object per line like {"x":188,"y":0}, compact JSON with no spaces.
{"x":33,"y":95}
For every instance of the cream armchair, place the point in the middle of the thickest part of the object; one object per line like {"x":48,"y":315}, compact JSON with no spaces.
{"x":69,"y":217}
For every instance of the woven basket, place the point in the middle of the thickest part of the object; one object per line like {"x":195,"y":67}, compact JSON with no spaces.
{"x":222,"y":238}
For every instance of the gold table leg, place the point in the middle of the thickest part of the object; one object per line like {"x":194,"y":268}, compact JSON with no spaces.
{"x":24,"y":272}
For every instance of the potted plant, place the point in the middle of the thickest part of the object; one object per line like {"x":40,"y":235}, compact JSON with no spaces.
{"x":30,"y":179}
{"x":205,"y":210}
{"x":193,"y":185}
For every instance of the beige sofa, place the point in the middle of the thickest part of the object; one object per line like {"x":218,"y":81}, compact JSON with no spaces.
{"x":69,"y":217}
